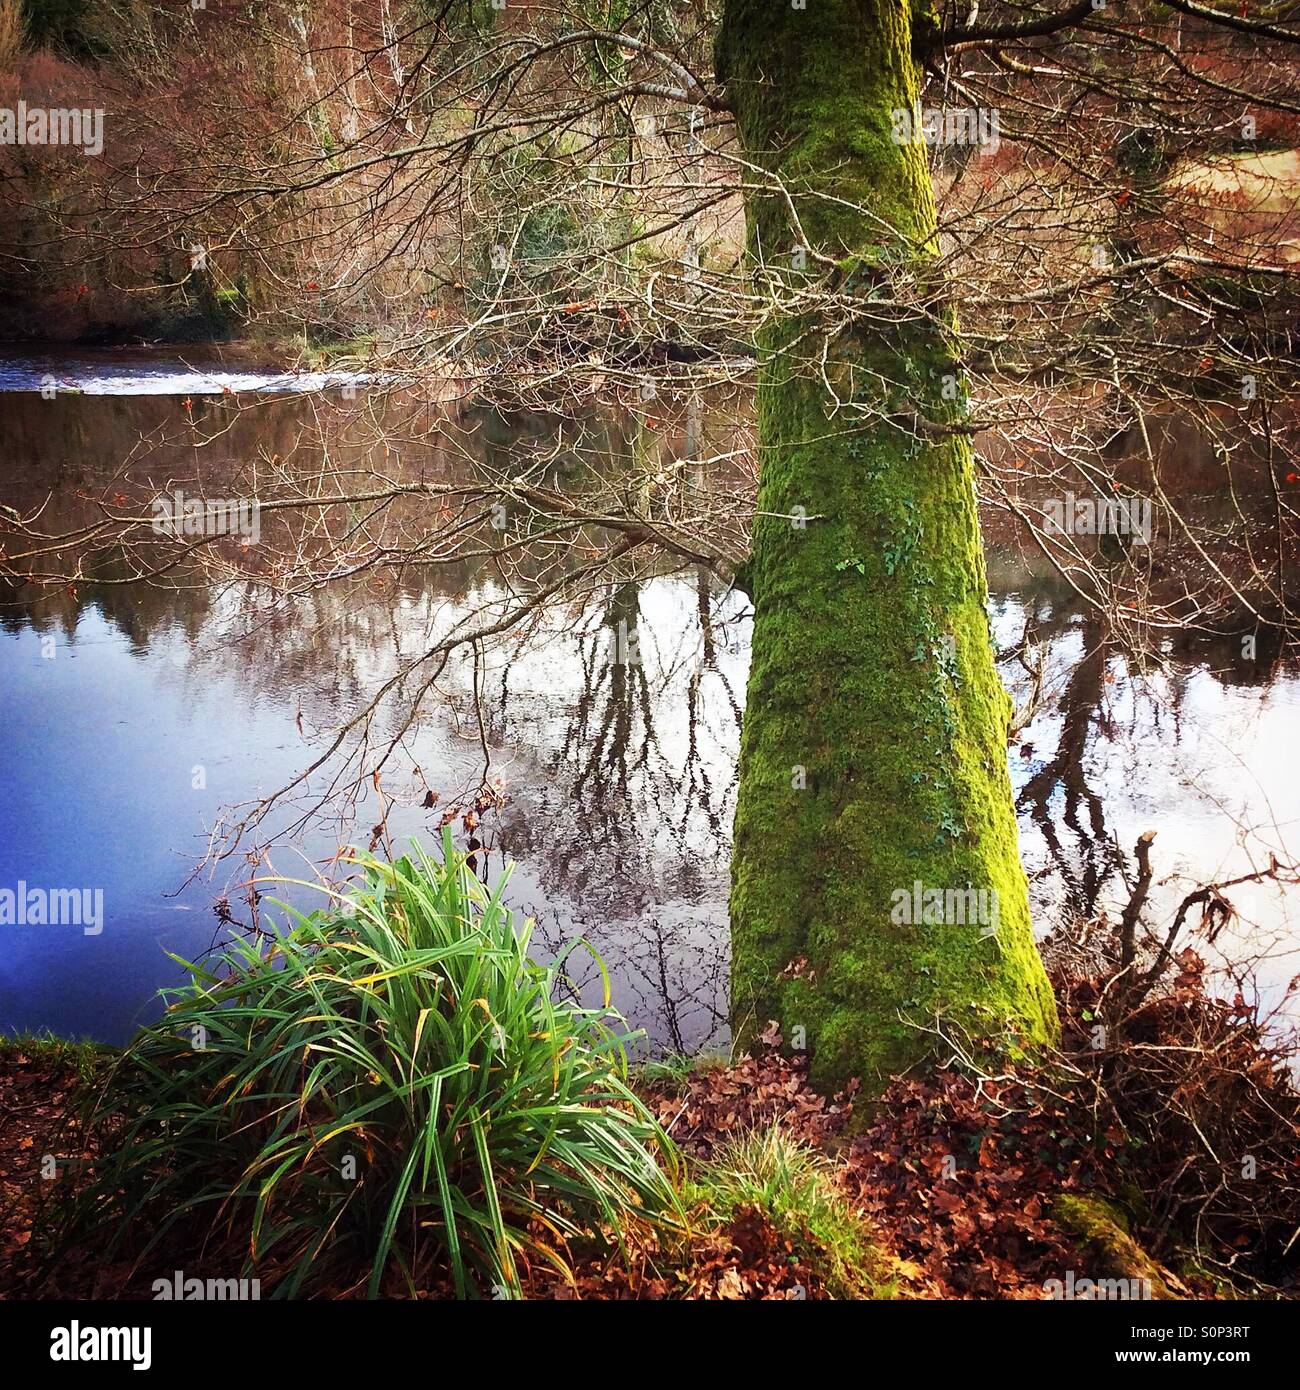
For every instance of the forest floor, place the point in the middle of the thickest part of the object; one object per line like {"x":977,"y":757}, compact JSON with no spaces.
{"x":959,"y":1185}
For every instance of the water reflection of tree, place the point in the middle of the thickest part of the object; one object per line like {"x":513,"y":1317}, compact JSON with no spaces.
{"x":621,"y":785}
{"x":1089,"y":857}
{"x":639,"y":842}
{"x":1085,"y":869}
{"x":612,"y":734}
{"x":139,"y":613}
{"x":699,"y":788}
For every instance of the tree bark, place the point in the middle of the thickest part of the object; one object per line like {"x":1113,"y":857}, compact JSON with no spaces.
{"x":873,"y":753}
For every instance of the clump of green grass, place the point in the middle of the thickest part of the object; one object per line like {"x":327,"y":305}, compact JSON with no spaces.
{"x":84,"y":1058}
{"x":389,"y":1085}
{"x":675,"y":1069}
{"x":793,"y":1187}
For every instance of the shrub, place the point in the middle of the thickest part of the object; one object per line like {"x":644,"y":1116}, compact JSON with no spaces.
{"x":404,"y":1028}
{"x":793,"y":1188}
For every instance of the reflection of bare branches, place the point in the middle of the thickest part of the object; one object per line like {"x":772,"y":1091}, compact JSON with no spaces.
{"x":1065,"y":770}
{"x":1216,"y":912}
{"x":613,"y":663}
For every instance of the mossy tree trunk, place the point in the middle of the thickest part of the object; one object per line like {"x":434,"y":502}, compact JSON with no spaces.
{"x":873,"y":756}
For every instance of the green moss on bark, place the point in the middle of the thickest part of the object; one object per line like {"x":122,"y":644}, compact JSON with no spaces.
{"x":1101,"y":1230}
{"x":873,"y":753}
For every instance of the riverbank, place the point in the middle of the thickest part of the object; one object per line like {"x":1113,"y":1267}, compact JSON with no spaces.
{"x":1032,"y":1184}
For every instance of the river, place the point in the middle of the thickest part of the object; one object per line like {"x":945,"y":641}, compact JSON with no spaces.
{"x":135,"y":717}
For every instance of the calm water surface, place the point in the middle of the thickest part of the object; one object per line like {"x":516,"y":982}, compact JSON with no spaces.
{"x":617,"y":784}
